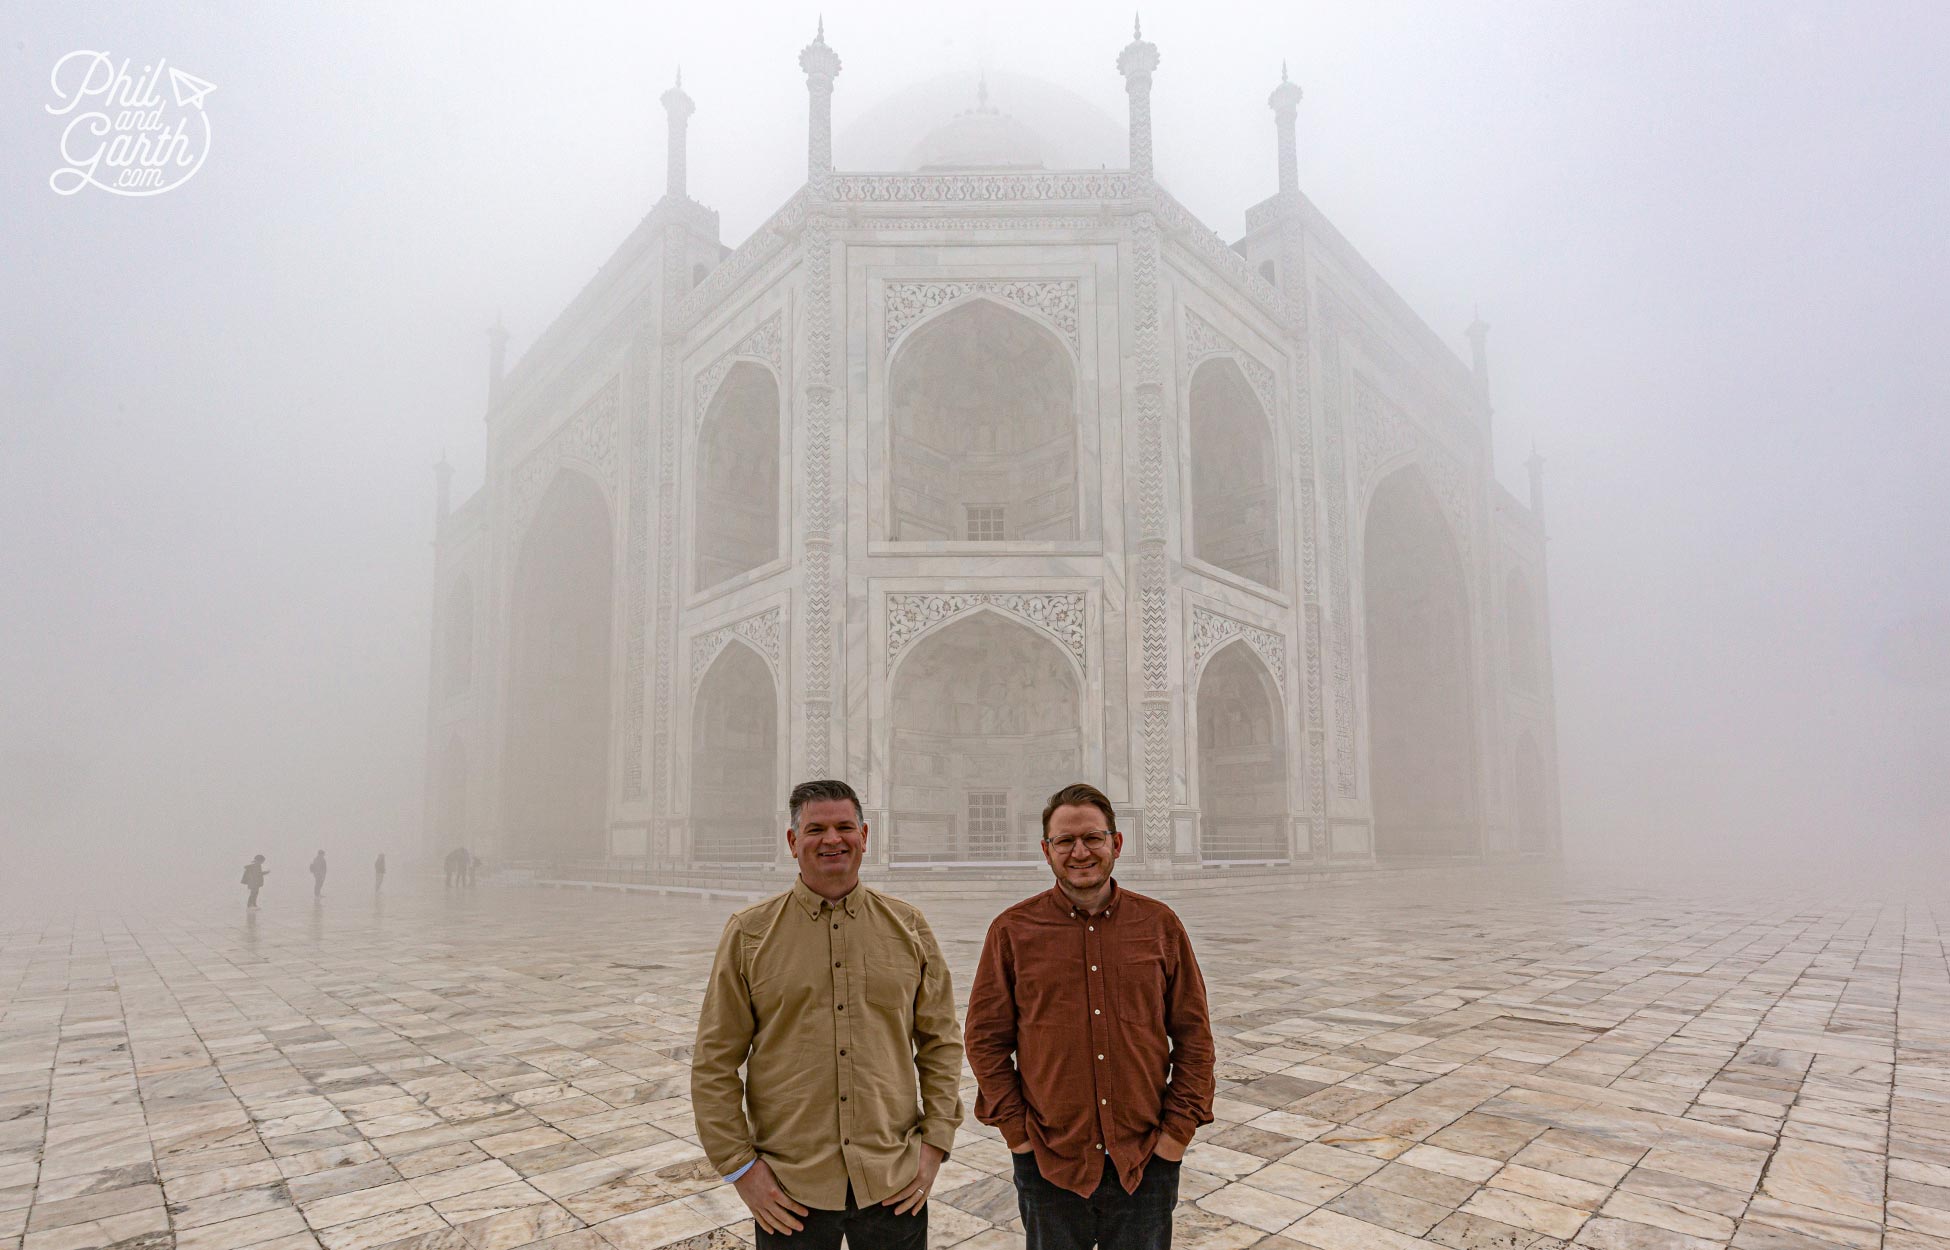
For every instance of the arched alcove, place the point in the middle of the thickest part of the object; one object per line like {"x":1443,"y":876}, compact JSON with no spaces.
{"x":1421,"y":740}
{"x":1242,"y":763}
{"x":735,"y":793}
{"x":457,"y":645}
{"x":556,"y":771}
{"x":1532,"y":798}
{"x":736,"y":526}
{"x":983,"y":405}
{"x":1520,"y":625}
{"x":1235,"y":492}
{"x":986,"y":725}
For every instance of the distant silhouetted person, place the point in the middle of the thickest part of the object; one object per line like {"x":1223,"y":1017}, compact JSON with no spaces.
{"x":318,"y":874}
{"x":379,"y":872}
{"x":474,"y":863}
{"x":254,"y":878}
{"x":456,"y":866}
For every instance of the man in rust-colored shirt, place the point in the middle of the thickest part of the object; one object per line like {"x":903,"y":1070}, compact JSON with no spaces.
{"x":1092,"y":1049}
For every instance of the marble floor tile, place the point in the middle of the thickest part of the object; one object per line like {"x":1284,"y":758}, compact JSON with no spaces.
{"x":1529,"y":1061}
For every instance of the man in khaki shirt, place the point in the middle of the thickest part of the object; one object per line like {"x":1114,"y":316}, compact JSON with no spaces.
{"x":836,"y":1000}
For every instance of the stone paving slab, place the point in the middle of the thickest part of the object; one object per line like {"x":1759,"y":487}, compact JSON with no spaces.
{"x":1513,"y":1059}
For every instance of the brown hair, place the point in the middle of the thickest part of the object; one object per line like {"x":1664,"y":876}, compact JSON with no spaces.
{"x":1077,"y":795}
{"x":815,"y":791}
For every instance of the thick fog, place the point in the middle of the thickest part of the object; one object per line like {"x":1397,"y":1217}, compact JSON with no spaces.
{"x":1709,"y":242}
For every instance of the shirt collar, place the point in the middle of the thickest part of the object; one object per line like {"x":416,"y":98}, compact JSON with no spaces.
{"x":1062,"y":903}
{"x":810,"y":903}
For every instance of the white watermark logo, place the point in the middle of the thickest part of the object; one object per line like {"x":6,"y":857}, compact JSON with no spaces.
{"x":123,"y":135}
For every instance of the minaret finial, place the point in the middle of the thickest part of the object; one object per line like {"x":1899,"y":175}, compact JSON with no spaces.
{"x":1137,"y":62}
{"x":678,"y":109}
{"x":1284,"y":101}
{"x":822,"y":66}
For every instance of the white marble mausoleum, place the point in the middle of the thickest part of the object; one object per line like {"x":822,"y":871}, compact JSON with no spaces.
{"x":968,"y":479}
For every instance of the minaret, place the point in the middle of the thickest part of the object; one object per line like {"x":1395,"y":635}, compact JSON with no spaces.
{"x":1136,"y":62}
{"x":1536,"y":466}
{"x":1284,"y":101}
{"x":1479,"y":333}
{"x":443,"y":488}
{"x":497,"y":358}
{"x":822,"y":66}
{"x":677,"y":109}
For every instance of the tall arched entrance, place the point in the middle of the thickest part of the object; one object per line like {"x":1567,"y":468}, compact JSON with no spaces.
{"x":1242,"y":781}
{"x":983,"y":406}
{"x":556,"y":771}
{"x":735,"y":793}
{"x":1421,"y":738}
{"x":736,"y":527}
{"x":987,"y":724}
{"x":1235,"y":499}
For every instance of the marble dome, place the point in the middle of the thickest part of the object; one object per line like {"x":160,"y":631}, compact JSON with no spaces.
{"x":948,"y":123}
{"x":983,"y":137}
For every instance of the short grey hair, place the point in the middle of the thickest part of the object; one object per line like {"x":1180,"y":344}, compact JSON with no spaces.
{"x":816,"y":791}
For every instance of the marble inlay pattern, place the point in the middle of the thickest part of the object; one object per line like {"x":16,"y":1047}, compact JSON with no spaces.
{"x":1471,"y":1059}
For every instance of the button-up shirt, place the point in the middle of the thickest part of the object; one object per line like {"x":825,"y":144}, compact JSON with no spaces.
{"x":835,"y":1010}
{"x":1089,"y":1035}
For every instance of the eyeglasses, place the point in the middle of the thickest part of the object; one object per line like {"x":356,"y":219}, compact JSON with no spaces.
{"x":1091,"y":841}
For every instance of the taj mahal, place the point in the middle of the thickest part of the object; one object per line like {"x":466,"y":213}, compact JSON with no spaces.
{"x":985,"y":472}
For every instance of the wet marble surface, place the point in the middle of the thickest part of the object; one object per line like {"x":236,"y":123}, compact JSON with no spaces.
{"x":1517,"y":1059}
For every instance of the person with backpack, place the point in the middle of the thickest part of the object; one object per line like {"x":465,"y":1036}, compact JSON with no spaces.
{"x":254,"y":873}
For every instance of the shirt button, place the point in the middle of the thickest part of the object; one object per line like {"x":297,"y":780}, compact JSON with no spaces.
{"x":837,"y":964}
{"x":1100,"y":1145}
{"x":1100,"y":1058}
{"x":846,"y":1141}
{"x":842,"y":1097}
{"x":842,"y":1007}
{"x":1096,"y":1011}
{"x":836,"y":924}
{"x":1093,"y":967}
{"x":1104,"y":1102}
{"x":1092,"y":928}
{"x":842,"y":1054}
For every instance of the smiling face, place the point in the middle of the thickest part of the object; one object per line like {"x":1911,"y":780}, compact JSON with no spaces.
{"x":1081,"y":872}
{"x":829,"y":843}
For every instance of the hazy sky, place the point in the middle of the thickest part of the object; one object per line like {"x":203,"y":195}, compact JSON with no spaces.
{"x":1709,"y":240}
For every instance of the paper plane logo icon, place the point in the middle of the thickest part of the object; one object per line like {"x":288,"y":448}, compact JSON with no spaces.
{"x":189,"y":89}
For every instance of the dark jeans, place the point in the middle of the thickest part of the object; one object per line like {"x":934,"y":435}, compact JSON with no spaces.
{"x":1053,"y":1218}
{"x":865,"y":1228}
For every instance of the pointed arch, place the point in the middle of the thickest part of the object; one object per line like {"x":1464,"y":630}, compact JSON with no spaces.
{"x":987,"y":721}
{"x":1242,"y":758}
{"x":556,"y":769}
{"x":736,"y":522}
{"x":735,"y":785}
{"x":983,"y":409}
{"x":1234,"y":473}
{"x":1421,"y":728}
